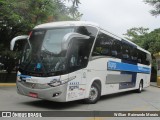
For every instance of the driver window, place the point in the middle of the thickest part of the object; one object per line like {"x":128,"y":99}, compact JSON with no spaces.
{"x":74,"y":58}
{"x":79,"y":54}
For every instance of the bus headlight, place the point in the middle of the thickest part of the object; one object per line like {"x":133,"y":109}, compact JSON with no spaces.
{"x":57,"y":82}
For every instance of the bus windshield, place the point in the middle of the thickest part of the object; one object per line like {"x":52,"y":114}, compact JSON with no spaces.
{"x":45,"y":55}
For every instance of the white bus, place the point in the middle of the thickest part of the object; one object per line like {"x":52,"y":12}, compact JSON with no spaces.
{"x":73,"y":60}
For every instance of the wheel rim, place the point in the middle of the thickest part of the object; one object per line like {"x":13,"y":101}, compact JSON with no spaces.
{"x":93,"y":93}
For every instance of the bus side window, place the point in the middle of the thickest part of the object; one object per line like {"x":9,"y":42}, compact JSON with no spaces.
{"x":116,"y":48}
{"x":102,"y":46}
{"x":125,"y":51}
{"x":148,"y":59}
{"x":134,"y":55}
{"x":143,"y":58}
{"x":139,"y":56}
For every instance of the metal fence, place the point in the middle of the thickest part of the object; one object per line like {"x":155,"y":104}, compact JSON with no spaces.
{"x":7,"y":77}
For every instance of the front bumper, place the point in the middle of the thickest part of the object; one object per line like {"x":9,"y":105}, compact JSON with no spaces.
{"x":46,"y":93}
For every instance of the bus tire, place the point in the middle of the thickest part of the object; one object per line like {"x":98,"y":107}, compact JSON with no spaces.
{"x":139,"y":90}
{"x":94,"y":95}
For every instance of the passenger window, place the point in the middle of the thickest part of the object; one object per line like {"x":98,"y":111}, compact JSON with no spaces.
{"x":134,"y":55}
{"x":116,"y":48}
{"x":79,"y":54}
{"x":148,"y":59}
{"x":103,"y":45}
{"x":139,"y":56}
{"x":125,"y":51}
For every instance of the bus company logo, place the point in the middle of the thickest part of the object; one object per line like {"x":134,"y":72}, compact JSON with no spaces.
{"x":112,"y":65}
{"x":6,"y":114}
{"x":73,"y":87}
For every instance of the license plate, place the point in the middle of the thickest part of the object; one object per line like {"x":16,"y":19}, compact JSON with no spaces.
{"x":34,"y":95}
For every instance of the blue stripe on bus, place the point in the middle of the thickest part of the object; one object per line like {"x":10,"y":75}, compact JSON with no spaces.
{"x":120,"y":66}
{"x":24,"y":76}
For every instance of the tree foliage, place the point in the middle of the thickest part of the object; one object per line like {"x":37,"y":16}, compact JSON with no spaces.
{"x":20,"y":16}
{"x":156,"y":5}
{"x":134,"y":33}
{"x":148,"y":40}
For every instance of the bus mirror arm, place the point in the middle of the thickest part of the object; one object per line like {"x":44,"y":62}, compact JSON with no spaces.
{"x":22,"y":37}
{"x":69,"y":36}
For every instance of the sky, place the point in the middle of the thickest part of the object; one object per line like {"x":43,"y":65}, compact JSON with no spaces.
{"x":117,"y":16}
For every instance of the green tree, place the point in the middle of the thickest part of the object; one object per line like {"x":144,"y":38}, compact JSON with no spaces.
{"x":64,"y":12}
{"x":137,"y":35}
{"x":149,"y":41}
{"x":75,"y":2}
{"x":18,"y":17}
{"x":133,"y":33}
{"x":156,"y":5}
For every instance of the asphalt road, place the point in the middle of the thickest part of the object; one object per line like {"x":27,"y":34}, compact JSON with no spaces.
{"x":148,"y":100}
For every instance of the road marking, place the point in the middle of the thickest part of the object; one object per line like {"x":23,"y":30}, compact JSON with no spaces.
{"x":7,"y":84}
{"x":97,"y":118}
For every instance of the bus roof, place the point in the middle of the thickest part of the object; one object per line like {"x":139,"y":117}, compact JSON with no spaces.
{"x":66,"y":23}
{"x":83,"y":23}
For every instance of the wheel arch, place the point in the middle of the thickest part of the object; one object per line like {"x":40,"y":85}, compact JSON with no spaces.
{"x":98,"y":82}
{"x":98,"y":85}
{"x":95,"y":80}
{"x":141,"y":80}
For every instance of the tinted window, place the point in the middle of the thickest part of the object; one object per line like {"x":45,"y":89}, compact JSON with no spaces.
{"x":140,"y":57}
{"x":134,"y":54}
{"x":108,"y":46}
{"x":87,"y":30}
{"x":102,"y":45}
{"x":116,"y":48}
{"x":145,"y":58}
{"x":79,"y":54}
{"x":126,"y":49}
{"x":148,"y":59}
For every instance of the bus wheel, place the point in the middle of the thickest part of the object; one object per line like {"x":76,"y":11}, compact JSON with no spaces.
{"x":139,"y":90}
{"x":94,"y":94}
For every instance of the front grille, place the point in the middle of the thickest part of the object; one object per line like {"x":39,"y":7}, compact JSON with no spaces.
{"x":35,"y":85}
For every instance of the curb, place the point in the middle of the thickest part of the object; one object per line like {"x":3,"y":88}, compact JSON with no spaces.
{"x":155,"y":86}
{"x":7,"y":84}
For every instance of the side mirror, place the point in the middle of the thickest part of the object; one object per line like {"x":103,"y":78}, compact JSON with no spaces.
{"x":69,"y":36}
{"x":13,"y":41}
